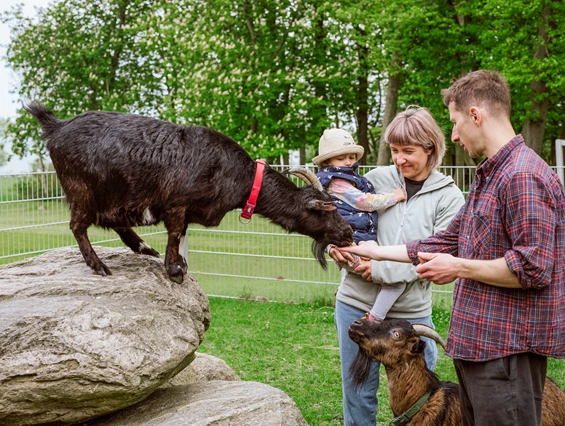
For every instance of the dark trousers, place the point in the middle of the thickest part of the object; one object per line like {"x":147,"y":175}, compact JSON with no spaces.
{"x":502,"y":392}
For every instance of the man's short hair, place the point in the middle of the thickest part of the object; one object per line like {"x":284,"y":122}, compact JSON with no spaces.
{"x":488,"y":89}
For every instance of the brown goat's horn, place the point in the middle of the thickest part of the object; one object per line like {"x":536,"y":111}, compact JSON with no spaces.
{"x":306,"y":175}
{"x":424,"y":330}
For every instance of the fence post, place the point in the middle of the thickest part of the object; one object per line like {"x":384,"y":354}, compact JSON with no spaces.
{"x":559,"y":144}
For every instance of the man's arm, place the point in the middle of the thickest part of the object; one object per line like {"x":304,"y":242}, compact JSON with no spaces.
{"x":371,"y":250}
{"x":444,"y":268}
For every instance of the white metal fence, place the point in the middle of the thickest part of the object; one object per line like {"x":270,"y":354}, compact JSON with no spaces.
{"x":258,"y":260}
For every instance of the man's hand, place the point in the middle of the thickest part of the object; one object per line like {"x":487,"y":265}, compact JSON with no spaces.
{"x":364,"y":249}
{"x":437,"y":267}
{"x":342,"y":259}
{"x":444,"y":268}
{"x":353,"y":263}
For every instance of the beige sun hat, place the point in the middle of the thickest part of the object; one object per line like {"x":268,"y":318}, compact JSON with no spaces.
{"x":336,"y":142}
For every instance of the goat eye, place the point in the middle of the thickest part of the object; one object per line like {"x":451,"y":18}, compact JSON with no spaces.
{"x":395,"y":335}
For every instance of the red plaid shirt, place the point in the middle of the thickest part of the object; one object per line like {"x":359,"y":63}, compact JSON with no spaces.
{"x":516,"y":210}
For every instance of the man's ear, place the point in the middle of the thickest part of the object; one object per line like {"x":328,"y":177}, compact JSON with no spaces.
{"x":476,"y":115}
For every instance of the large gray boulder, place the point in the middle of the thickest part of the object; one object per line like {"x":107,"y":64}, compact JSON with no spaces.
{"x":204,"y":368}
{"x":218,"y":403}
{"x":74,"y":345}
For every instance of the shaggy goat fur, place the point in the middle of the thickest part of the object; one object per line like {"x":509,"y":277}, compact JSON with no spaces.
{"x":396,"y":345}
{"x":124,"y":170}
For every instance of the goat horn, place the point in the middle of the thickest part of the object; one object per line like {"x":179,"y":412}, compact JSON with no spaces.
{"x":424,"y":330}
{"x":306,"y":175}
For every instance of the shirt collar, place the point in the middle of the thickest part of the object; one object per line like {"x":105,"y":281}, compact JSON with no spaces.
{"x":489,"y":164}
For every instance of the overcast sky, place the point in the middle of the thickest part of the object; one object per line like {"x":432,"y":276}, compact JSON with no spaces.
{"x":8,"y":102}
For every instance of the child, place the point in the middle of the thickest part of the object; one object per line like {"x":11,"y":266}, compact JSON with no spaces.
{"x":355,"y":198}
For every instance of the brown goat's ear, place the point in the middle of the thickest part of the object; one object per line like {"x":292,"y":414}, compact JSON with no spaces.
{"x":326,"y":206}
{"x":418,"y":347}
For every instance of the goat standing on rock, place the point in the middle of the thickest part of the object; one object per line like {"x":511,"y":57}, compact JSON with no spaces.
{"x":416,"y":395}
{"x":123,"y":170}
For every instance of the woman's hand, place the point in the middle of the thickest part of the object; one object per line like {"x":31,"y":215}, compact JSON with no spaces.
{"x":364,"y":269}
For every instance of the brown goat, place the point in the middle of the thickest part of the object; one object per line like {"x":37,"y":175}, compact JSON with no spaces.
{"x":124,"y":170}
{"x":397,"y":345}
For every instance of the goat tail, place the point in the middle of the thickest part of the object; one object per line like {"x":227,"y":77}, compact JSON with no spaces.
{"x":46,"y":118}
{"x":360,"y":368}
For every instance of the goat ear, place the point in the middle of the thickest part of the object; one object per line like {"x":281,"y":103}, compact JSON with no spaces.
{"x":326,"y":206}
{"x":418,"y":347}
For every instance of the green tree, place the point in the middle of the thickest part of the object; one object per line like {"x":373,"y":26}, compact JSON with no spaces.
{"x":425,"y":44}
{"x":4,"y":156}
{"x":359,"y":97}
{"x":78,"y":55}
{"x":525,"y":41}
{"x":272,"y":74}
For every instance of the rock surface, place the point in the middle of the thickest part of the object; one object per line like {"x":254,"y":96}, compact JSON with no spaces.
{"x":74,"y":345}
{"x":218,"y":403}
{"x":204,"y":368}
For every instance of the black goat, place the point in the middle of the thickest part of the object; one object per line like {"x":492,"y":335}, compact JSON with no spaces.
{"x":124,"y":170}
{"x":396,"y":344}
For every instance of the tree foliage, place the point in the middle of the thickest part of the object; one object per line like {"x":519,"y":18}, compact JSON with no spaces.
{"x":4,"y":156}
{"x":272,"y":74}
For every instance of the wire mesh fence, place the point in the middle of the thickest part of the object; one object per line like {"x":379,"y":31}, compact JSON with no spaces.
{"x":255,"y":260}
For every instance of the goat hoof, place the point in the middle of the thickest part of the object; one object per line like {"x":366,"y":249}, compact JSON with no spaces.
{"x":101,"y":270}
{"x":177,"y":278}
{"x":149,"y":251}
{"x":145,"y":248}
{"x":176,"y":273}
{"x":183,"y":265}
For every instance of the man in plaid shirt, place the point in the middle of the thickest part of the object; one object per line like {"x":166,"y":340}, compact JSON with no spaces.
{"x":506,"y":251}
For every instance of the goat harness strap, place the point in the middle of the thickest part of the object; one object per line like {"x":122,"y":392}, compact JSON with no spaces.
{"x":247,"y":211}
{"x":405,"y":417}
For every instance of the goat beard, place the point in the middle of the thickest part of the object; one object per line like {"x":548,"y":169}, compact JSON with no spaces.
{"x":319,"y":251}
{"x":360,"y":368}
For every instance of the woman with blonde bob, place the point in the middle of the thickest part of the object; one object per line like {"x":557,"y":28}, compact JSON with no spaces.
{"x":417,"y":146}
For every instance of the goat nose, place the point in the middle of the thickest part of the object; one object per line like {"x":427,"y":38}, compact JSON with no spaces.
{"x":357,"y":322}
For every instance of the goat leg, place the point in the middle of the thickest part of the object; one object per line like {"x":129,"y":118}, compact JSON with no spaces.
{"x":79,"y":227}
{"x":134,"y":242}
{"x":175,"y":263}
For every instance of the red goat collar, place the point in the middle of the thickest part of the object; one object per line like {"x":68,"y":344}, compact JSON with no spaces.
{"x":247,"y":211}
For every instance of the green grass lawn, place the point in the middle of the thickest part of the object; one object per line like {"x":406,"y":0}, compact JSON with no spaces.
{"x":293,"y":347}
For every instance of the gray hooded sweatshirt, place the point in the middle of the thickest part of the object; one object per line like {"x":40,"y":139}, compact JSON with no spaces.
{"x":427,"y":212}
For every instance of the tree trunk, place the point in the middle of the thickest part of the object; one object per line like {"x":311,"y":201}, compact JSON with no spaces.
{"x":362,"y":113}
{"x":363,"y":118}
{"x":389,"y":114}
{"x":534,"y":128}
{"x":319,"y":109}
{"x":463,"y":175}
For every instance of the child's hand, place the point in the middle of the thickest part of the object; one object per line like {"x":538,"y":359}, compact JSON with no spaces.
{"x":399,"y":194}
